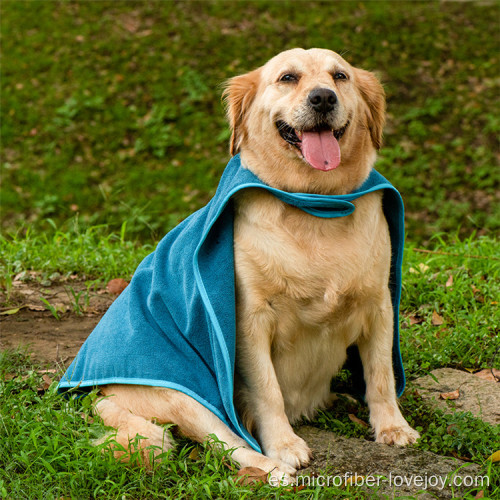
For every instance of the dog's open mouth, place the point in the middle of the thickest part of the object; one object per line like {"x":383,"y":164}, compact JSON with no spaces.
{"x":319,"y":147}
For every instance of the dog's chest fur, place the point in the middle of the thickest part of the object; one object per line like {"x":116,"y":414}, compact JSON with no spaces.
{"x":314,"y":283}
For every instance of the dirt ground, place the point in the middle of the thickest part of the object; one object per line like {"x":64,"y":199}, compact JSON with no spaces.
{"x":26,"y":320}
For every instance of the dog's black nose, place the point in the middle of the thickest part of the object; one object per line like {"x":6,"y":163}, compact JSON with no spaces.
{"x":322,"y":100}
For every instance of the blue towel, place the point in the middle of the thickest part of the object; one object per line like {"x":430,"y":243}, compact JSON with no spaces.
{"x":174,"y":324}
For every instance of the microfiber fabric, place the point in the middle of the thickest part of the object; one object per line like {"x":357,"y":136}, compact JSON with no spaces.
{"x":174,"y":324}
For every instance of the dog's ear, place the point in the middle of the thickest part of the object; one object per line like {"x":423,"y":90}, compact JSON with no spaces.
{"x":239,"y":92}
{"x":373,"y":94}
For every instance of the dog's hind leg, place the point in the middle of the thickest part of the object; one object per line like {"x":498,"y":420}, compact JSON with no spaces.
{"x":139,"y":405}
{"x":128,"y":426}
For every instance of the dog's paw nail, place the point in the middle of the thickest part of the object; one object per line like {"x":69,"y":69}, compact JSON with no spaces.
{"x":399,"y":436}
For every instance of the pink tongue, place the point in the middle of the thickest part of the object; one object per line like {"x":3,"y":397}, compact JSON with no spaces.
{"x":321,"y":150}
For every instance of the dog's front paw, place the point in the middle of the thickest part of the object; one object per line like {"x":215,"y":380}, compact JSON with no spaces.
{"x":291,"y":450}
{"x":399,"y":436}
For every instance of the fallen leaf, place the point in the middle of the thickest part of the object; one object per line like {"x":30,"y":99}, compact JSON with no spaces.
{"x":495,"y":457}
{"x":416,"y":319}
{"x":450,"y":281}
{"x":480,"y":494}
{"x":10,"y":311}
{"x":36,"y":307}
{"x":144,"y":33}
{"x":46,"y":381}
{"x":437,"y":319}
{"x":19,"y":277}
{"x":491,"y":374}
{"x":452,"y":429}
{"x":131,"y":25}
{"x":89,"y":311}
{"x":227,"y":464}
{"x":461,"y":457}
{"x":450,"y":395}
{"x":116,"y":286}
{"x":251,"y":475}
{"x":195,"y":453}
{"x":440,"y":332}
{"x":357,"y":420}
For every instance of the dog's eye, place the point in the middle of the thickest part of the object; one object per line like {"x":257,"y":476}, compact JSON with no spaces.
{"x":289,"y":77}
{"x":339,"y":76}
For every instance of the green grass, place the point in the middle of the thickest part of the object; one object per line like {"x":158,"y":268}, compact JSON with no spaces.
{"x":468,"y":337}
{"x":112,"y":109}
{"x":46,"y":448}
{"x":113,"y":131}
{"x":91,"y":253}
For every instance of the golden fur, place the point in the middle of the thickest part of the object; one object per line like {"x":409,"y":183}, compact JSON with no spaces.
{"x":306,"y":287}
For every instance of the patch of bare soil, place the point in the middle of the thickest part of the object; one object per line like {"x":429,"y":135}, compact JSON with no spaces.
{"x":52,"y":319}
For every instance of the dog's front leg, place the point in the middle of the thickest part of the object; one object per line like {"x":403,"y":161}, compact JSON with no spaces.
{"x":263,"y":399}
{"x":375,"y":348}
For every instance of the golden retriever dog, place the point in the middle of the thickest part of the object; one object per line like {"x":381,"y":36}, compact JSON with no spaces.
{"x":307,"y":287}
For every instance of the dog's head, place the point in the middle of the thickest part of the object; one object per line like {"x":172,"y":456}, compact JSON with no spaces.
{"x":307,"y":121}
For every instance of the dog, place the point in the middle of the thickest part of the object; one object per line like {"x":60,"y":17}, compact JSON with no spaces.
{"x":306,"y":287}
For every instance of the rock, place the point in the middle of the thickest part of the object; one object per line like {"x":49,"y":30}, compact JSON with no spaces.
{"x":480,"y":397}
{"x":407,"y":471}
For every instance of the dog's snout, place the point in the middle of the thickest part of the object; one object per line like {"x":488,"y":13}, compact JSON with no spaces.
{"x":322,"y":100}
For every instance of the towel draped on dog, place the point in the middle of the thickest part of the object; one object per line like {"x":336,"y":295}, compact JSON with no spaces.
{"x":174,"y":325}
